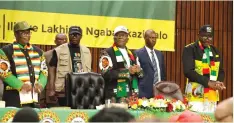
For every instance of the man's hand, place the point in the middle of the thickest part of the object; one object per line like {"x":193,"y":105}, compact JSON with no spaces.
{"x":38,"y":88}
{"x":216,"y":85}
{"x":134,"y":69}
{"x":26,"y":87}
{"x":220,"y":85}
{"x":52,"y":95}
{"x":131,"y":70}
{"x":137,"y":68}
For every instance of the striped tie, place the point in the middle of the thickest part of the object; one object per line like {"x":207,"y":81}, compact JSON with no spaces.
{"x":155,"y":67}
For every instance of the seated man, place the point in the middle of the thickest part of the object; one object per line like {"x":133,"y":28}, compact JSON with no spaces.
{"x":120,"y":68}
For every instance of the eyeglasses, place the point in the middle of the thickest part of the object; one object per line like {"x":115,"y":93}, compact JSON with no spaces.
{"x":206,"y":37}
{"x":25,"y":33}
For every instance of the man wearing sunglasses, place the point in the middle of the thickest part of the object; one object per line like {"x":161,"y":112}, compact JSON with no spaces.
{"x":120,"y":69}
{"x":23,"y":69}
{"x":204,"y":71}
{"x":67,"y":58}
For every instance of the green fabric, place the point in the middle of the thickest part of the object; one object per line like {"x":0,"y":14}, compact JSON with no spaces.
{"x":63,"y":114}
{"x":160,"y":10}
{"x":121,"y":89}
{"x":42,"y":80}
{"x":123,"y":92}
{"x":10,"y":79}
{"x":13,"y":82}
{"x":135,"y":83}
{"x":207,"y":52}
{"x":23,"y":25}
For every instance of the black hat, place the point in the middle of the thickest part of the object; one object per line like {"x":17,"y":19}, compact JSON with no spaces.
{"x":75,"y":29}
{"x":206,"y":29}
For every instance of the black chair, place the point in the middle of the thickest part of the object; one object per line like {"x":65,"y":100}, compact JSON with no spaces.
{"x":84,"y":90}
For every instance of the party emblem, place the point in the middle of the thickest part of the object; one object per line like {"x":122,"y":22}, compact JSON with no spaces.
{"x":8,"y":117}
{"x":146,"y":115}
{"x":48,"y":117}
{"x":105,"y":63}
{"x":77,"y":117}
{"x":208,"y":29}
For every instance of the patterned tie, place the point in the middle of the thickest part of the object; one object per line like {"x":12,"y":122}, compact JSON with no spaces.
{"x":155,"y":67}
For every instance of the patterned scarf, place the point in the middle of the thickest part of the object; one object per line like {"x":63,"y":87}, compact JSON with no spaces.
{"x":208,"y":63}
{"x":19,"y":58}
{"x":209,"y":71}
{"x":122,"y":83}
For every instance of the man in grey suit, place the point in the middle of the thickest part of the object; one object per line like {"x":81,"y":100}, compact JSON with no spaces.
{"x":152,"y":63}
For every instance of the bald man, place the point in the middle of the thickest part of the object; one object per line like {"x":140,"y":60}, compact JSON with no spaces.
{"x":60,"y":39}
{"x":152,"y":63}
{"x":224,"y":111}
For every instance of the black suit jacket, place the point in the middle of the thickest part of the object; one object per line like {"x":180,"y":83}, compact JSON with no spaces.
{"x":193,"y":52}
{"x":111,"y":76}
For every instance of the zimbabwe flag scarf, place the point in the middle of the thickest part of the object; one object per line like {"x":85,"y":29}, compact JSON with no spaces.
{"x":208,"y":63}
{"x":122,"y":83}
{"x":209,"y":71}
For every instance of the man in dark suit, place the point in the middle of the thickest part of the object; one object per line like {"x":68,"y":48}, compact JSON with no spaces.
{"x":120,"y":68}
{"x":152,"y":63}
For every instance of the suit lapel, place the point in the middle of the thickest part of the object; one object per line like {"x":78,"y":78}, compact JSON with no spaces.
{"x":148,"y":57}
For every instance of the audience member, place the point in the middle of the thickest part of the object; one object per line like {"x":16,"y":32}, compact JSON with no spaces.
{"x":26,"y":115}
{"x":112,"y":114}
{"x":224,"y":111}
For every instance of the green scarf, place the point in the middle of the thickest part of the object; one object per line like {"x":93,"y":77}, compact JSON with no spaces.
{"x":122,"y":82}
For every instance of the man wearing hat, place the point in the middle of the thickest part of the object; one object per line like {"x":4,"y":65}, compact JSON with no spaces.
{"x":68,"y":57}
{"x":23,"y":69}
{"x":123,"y":69}
{"x":203,"y":69}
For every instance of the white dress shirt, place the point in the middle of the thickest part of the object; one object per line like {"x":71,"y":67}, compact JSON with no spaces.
{"x":156,"y":59}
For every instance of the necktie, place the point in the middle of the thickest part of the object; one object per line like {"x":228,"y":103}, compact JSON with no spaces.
{"x":155,"y":67}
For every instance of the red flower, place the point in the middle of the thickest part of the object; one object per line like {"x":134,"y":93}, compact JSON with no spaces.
{"x":185,"y":100}
{"x":173,"y":100}
{"x":159,"y":96}
{"x":169,"y":107}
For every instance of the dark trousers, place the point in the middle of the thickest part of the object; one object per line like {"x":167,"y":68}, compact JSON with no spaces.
{"x":12,"y":99}
{"x":62,"y":101}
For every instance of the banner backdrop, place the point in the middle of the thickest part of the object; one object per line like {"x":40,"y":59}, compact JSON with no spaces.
{"x":97,"y":19}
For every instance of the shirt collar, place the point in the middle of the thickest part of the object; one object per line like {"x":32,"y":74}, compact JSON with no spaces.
{"x":148,"y":49}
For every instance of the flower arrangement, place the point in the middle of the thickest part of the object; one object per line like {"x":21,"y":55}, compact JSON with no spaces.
{"x":158,"y":103}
